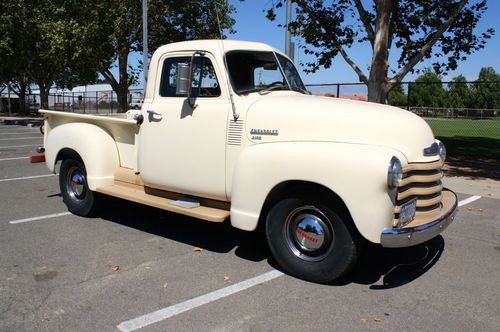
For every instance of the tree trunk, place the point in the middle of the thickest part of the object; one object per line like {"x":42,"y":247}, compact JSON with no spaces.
{"x":44,"y":95}
{"x":122,"y":95}
{"x":22,"y":98}
{"x":122,"y":92}
{"x":378,"y":92}
{"x":378,"y":87}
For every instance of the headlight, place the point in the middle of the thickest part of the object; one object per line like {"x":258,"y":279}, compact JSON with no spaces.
{"x":395,"y":173}
{"x":441,"y":151}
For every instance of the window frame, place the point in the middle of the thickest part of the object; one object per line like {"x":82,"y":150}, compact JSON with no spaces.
{"x":172,"y":56}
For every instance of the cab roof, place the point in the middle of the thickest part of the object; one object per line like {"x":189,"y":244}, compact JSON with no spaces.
{"x":215,"y":46}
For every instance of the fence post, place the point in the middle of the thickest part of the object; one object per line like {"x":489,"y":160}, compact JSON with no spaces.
{"x":408,"y":97}
{"x":96,"y":102}
{"x":338,"y":90}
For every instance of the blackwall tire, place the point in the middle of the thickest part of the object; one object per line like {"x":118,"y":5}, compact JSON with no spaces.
{"x":76,"y":194}
{"x":309,"y":240}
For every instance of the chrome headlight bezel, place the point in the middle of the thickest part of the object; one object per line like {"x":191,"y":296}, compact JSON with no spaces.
{"x":441,"y":150}
{"x":394,"y":173}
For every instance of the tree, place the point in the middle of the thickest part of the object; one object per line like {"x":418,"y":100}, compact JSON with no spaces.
{"x":397,"y":96}
{"x":427,"y":91}
{"x":486,"y":90}
{"x":416,"y":30}
{"x":120,"y":23}
{"x":14,"y":51}
{"x":45,"y":42}
{"x":459,"y":94}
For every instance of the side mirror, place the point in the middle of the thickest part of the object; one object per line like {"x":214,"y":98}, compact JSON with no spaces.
{"x":184,"y":79}
{"x":182,"y":82}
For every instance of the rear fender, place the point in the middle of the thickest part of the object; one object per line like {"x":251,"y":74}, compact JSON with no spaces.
{"x":95,"y":146}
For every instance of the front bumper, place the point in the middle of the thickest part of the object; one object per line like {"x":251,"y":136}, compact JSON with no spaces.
{"x":419,"y":230}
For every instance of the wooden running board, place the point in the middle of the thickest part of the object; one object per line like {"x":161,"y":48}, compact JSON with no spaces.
{"x":138,"y":194}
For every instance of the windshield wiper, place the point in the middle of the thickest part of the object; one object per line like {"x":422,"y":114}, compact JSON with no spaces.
{"x":299,"y":89}
{"x":272,"y":88}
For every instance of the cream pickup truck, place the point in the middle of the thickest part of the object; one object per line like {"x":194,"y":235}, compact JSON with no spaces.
{"x":227,"y":131}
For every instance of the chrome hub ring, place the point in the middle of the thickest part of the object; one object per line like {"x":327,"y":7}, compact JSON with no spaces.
{"x":308,"y":233}
{"x":75,"y":184}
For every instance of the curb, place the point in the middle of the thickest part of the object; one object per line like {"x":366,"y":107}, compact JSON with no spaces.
{"x":30,"y":122}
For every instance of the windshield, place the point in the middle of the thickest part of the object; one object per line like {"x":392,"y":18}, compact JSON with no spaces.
{"x":255,"y":71}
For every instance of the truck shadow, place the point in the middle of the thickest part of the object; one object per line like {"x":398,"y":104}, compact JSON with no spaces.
{"x":384,"y":268}
{"x":378,"y":267}
{"x":215,"y":237}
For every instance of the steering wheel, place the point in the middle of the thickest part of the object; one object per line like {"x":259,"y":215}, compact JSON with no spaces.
{"x":204,"y":92}
{"x":275,"y":83}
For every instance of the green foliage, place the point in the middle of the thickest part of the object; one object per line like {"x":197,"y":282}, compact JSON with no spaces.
{"x":486,"y":95}
{"x":459,"y":94}
{"x":427,"y":91}
{"x":397,"y":96}
{"x":45,"y":42}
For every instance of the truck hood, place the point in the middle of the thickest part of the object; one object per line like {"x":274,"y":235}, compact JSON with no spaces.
{"x":283,"y":117}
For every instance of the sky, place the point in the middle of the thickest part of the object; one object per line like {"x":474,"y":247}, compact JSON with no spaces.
{"x":252,"y":25}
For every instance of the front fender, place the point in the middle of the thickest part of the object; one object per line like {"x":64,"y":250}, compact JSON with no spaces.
{"x":356,"y":173}
{"x":96,"y":147}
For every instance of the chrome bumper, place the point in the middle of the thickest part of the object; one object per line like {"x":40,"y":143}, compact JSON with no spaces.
{"x":410,"y":236}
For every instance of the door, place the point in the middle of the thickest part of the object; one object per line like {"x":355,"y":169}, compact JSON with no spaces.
{"x":181,"y":148}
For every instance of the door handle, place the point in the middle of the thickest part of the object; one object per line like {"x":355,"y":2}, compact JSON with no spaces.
{"x":154,"y":116}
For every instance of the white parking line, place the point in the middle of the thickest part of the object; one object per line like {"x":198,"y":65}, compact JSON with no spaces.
{"x":18,"y":146}
{"x":27,"y":177}
{"x":19,"y":138}
{"x":162,"y":314}
{"x":468,"y":200}
{"x":48,"y":216}
{"x":17,"y":158}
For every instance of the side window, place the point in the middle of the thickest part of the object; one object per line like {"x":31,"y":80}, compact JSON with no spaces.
{"x":204,"y":82}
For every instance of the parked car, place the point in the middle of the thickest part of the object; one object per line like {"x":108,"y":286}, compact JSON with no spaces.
{"x":136,"y":105}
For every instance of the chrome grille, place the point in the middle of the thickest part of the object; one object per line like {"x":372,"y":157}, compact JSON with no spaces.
{"x":423,"y":182}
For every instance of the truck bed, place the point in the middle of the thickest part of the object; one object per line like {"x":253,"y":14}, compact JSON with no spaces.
{"x":121,"y":127}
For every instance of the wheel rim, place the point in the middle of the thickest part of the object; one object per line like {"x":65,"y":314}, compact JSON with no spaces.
{"x":309,"y":233}
{"x":75,"y":183}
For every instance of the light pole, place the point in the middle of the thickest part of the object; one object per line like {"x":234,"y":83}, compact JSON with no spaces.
{"x":145,"y":42}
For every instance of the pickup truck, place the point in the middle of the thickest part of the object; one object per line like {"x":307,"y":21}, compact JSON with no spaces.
{"x":228,"y":131}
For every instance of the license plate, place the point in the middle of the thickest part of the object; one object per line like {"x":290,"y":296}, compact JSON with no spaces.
{"x":407,"y":213}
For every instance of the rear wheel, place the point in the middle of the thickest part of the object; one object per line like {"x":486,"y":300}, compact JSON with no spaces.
{"x":79,"y":199}
{"x":309,"y":240}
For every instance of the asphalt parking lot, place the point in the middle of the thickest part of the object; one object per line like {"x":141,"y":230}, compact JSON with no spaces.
{"x":139,"y":268}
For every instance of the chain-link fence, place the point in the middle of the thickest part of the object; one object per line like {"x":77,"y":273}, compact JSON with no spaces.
{"x":89,"y":102}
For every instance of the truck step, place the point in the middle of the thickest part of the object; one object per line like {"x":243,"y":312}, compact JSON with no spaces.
{"x":138,"y":194}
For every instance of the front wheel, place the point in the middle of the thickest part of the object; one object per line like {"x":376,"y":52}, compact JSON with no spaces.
{"x":79,"y":199}
{"x":309,"y":240}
